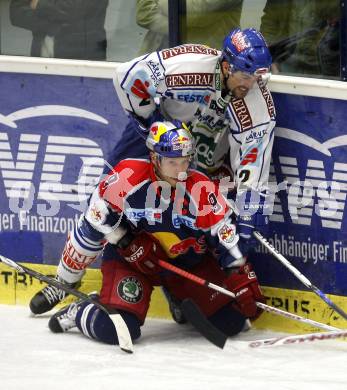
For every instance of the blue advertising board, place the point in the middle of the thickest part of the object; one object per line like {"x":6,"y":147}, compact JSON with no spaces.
{"x":55,"y":132}
{"x":309,"y":168}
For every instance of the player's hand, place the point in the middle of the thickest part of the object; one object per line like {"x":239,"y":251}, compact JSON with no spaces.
{"x":253,"y":215}
{"x":244,"y":284}
{"x":143,"y":253}
{"x":142,"y":125}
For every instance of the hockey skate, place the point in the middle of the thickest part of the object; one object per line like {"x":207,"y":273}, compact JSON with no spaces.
{"x":64,"y":319}
{"x":174,"y":307}
{"x":49,"y":297}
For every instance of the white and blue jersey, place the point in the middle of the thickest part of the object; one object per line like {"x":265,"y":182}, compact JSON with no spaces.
{"x":184,"y":83}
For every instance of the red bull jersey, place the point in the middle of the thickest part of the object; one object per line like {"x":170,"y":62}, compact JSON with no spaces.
{"x":189,"y":220}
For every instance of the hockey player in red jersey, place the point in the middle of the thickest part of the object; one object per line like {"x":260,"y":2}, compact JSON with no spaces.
{"x":150,"y":209}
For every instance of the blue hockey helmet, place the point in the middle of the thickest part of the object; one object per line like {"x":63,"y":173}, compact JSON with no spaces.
{"x":170,"y":139}
{"x":247,"y":51}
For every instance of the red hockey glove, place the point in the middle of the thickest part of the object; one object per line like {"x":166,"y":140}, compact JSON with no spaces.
{"x":244,"y":284}
{"x":143,"y":252}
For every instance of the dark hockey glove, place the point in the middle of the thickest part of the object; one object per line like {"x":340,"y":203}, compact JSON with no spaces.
{"x":142,"y":253}
{"x":142,"y":125}
{"x":244,"y":284}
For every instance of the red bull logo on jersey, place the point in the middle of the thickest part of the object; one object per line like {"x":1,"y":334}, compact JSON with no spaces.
{"x":198,"y":246}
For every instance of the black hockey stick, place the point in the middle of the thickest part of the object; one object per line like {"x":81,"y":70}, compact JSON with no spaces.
{"x":124,"y":338}
{"x":195,"y":316}
{"x":298,"y":274}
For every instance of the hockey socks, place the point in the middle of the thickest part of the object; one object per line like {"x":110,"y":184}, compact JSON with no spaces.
{"x":96,"y":324}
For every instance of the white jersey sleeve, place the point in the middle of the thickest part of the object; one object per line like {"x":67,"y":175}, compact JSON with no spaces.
{"x":138,"y":82}
{"x":251,"y":138}
{"x":181,"y":78}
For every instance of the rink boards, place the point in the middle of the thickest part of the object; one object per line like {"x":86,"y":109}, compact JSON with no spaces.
{"x":59,"y":120}
{"x":19,"y":288}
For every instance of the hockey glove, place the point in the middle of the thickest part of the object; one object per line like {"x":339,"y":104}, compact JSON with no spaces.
{"x":142,"y":125}
{"x":253,"y":215}
{"x":244,"y":284}
{"x":143,"y":252}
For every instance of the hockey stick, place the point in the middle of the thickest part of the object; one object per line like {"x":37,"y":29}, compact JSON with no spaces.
{"x":263,"y":306}
{"x":298,"y":338}
{"x":124,"y":338}
{"x":196,"y":317}
{"x":298,"y":274}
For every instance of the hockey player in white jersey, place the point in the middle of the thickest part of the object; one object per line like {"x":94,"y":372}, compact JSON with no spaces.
{"x":223,"y":97}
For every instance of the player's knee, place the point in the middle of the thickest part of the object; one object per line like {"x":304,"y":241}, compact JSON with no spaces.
{"x":228,"y":320}
{"x":96,"y":324}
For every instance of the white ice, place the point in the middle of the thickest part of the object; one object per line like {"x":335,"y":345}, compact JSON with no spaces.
{"x":168,"y":356}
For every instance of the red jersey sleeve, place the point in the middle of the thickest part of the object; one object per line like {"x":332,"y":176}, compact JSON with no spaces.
{"x":123,"y":178}
{"x":211,"y":205}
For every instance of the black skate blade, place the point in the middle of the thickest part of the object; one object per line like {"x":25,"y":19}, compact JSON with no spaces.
{"x":195,"y":316}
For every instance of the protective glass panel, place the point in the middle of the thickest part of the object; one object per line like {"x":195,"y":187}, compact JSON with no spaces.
{"x":303,"y":35}
{"x":112,"y":30}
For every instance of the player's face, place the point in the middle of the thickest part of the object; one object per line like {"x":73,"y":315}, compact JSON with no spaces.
{"x":173,"y":170}
{"x":240,"y":83}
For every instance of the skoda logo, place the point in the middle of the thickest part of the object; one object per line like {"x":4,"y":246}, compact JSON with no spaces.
{"x":130,"y":290}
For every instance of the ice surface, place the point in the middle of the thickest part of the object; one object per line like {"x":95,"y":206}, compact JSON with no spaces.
{"x":168,"y":356}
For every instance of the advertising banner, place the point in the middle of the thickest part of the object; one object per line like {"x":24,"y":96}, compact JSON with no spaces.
{"x":55,"y":132}
{"x":309,"y":168}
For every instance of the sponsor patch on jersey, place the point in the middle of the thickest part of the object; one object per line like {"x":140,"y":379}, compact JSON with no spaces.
{"x":251,"y":157}
{"x":227,"y":233}
{"x":268,"y":99}
{"x":110,"y":180}
{"x":242,"y":114}
{"x":96,"y":214}
{"x":73,"y":259}
{"x":178,"y":220}
{"x":139,"y":88}
{"x":137,"y":253}
{"x":255,"y":135}
{"x":189,"y":80}
{"x":205,"y":147}
{"x":151,"y":215}
{"x":216,"y":207}
{"x":130,"y":290}
{"x":188,"y":49}
{"x":194,"y":97}
{"x":156,"y":73}
{"x":140,"y":85}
